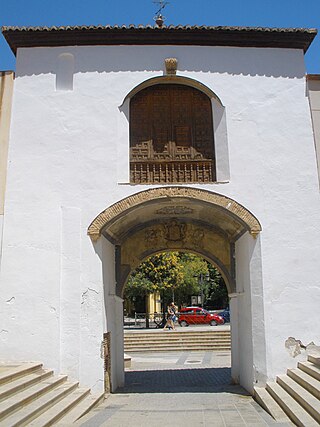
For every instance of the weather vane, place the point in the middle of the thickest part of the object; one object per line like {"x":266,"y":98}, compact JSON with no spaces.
{"x":158,"y":16}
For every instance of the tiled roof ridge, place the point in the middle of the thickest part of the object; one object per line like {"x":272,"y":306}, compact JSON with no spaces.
{"x":165,"y":27}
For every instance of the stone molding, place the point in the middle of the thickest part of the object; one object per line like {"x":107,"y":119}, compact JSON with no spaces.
{"x":119,"y":208}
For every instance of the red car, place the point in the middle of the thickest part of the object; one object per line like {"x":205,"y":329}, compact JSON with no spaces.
{"x":198,"y":316}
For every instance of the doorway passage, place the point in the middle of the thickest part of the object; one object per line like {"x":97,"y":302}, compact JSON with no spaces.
{"x":188,"y":220}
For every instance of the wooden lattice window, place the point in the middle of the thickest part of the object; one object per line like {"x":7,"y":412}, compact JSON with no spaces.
{"x":171,"y":135}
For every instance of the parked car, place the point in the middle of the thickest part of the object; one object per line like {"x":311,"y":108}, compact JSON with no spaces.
{"x":198,"y":316}
{"x":225,"y":314}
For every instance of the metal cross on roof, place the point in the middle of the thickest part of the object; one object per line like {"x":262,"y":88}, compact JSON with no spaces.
{"x":158,"y":16}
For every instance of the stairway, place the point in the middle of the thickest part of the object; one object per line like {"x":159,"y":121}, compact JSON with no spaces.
{"x":215,"y":340}
{"x":33,"y":396}
{"x":294,"y":396}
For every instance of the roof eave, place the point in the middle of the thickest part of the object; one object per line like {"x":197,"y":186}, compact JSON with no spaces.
{"x":148,"y":35}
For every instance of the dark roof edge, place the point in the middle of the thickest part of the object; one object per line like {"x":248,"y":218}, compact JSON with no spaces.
{"x":313,"y":76}
{"x":293,"y":38}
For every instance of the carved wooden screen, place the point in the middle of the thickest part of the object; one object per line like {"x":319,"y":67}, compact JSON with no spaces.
{"x":171,"y":135}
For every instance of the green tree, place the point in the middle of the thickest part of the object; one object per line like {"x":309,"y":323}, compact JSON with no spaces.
{"x":175,"y":275}
{"x":217,"y":293}
{"x":158,"y":273}
{"x":192,"y":267}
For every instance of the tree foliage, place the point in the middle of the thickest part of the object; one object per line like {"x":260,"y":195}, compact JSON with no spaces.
{"x":177,"y":274}
{"x":159,"y":272}
{"x":217,"y":293}
{"x":192,"y":266}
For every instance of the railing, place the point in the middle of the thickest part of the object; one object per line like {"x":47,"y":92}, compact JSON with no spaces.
{"x":152,"y":172}
{"x":140,"y":320}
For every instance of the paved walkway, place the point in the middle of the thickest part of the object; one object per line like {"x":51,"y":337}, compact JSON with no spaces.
{"x":180,"y":389}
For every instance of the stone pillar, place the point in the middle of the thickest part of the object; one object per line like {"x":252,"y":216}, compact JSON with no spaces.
{"x":234,"y":325}
{"x":115,"y":327}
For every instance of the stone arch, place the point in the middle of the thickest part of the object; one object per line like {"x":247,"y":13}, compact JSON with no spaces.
{"x":230,"y":207}
{"x":188,"y":219}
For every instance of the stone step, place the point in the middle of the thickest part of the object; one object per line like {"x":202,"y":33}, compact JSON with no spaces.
{"x":87,"y":404}
{"x":290,"y":406}
{"x":310,"y":369}
{"x":24,"y":415}
{"x":270,"y":405}
{"x":177,"y":344}
{"x":315,"y":359}
{"x":145,"y":350}
{"x":25,"y":396}
{"x":177,"y":341}
{"x":306,"y":381}
{"x":177,"y":332}
{"x":20,"y":383}
{"x":310,"y":403}
{"x":15,"y":371}
{"x":56,"y":412}
{"x":172,"y":335}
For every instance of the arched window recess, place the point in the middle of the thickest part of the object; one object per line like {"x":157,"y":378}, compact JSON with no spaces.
{"x":171,"y":135}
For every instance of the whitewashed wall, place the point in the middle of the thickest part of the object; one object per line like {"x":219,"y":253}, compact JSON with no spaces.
{"x":68,"y":161}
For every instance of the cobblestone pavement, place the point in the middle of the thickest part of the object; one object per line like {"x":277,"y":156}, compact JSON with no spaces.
{"x":181,"y":389}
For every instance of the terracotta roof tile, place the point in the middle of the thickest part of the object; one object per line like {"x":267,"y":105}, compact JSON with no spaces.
{"x":296,"y":38}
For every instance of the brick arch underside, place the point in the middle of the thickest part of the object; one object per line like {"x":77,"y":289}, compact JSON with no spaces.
{"x":249,"y":221}
{"x":135,"y":250}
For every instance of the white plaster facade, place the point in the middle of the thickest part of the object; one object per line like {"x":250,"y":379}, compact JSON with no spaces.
{"x":69,"y":160}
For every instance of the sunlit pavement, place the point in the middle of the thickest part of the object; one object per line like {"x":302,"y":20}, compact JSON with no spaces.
{"x":180,"y":360}
{"x":180,"y":389}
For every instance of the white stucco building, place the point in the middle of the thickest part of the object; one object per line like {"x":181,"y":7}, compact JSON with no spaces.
{"x":125,"y":141}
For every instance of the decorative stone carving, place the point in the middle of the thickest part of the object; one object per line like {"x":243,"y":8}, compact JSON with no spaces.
{"x":174,"y":231}
{"x":197,"y":236}
{"x":171,"y":66}
{"x":161,"y":236}
{"x":151,"y":237}
{"x":174,"y":210}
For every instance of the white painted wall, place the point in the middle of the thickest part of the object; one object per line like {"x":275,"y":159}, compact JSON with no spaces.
{"x":6,"y":89}
{"x":249,"y":320}
{"x":314,"y":98}
{"x":64,"y":156}
{"x":114,"y":311}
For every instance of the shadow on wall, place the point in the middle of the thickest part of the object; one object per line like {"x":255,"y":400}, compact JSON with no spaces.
{"x":106,"y":59}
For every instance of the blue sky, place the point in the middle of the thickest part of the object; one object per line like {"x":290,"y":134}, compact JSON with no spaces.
{"x":262,"y":13}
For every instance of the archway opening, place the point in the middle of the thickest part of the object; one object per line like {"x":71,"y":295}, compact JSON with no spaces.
{"x":176,"y":325}
{"x":187,"y":220}
{"x":184,"y":278}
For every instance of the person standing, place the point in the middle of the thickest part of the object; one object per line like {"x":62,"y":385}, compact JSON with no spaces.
{"x":171,"y":316}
